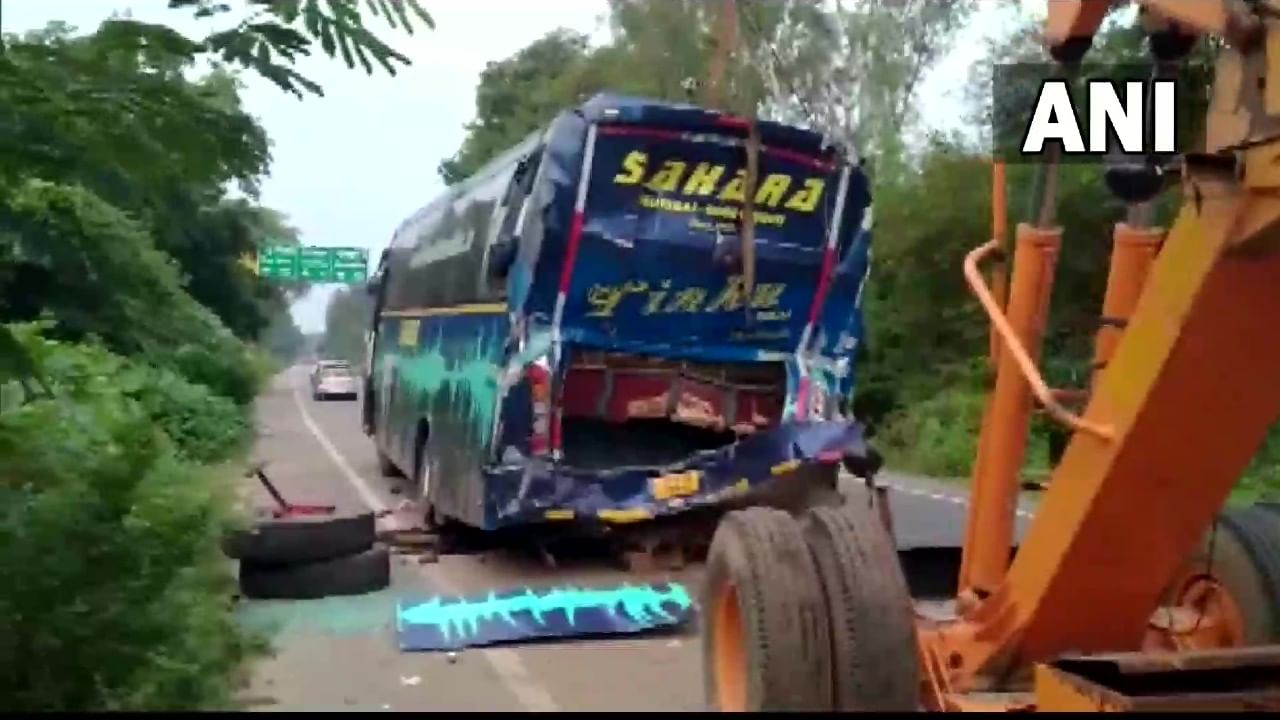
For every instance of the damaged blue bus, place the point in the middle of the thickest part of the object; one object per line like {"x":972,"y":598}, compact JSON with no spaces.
{"x":599,"y":327}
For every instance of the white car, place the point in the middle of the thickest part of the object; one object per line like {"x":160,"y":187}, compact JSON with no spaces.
{"x":334,"y":379}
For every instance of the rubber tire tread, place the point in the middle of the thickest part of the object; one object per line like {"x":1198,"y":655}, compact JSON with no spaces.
{"x":291,"y":541}
{"x":357,"y":574}
{"x":1258,"y":532}
{"x":762,"y":552}
{"x":873,"y":641}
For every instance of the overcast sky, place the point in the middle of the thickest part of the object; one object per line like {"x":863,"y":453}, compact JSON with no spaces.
{"x":348,"y":167}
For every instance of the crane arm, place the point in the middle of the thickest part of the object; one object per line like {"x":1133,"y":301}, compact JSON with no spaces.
{"x":1189,"y":390}
{"x":1232,"y":20}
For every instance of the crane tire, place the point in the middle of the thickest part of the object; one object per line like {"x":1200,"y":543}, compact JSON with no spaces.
{"x":1244,"y":566}
{"x":296,"y":540}
{"x":357,"y":574}
{"x":1255,"y":585}
{"x":764,"y":633}
{"x":873,"y":638}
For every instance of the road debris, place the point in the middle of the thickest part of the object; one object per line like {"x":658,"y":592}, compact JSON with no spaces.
{"x":534,"y":614}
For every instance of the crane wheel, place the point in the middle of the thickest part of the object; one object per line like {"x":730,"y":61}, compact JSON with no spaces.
{"x":1238,"y":585}
{"x":873,"y":655}
{"x":765,"y":638}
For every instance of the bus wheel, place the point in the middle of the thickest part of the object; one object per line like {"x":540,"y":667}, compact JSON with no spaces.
{"x":873,"y":658}
{"x":764,"y":633}
{"x":1233,"y":581}
{"x":430,"y":518}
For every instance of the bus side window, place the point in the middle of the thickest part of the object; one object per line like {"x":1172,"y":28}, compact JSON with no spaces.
{"x":505,"y":243}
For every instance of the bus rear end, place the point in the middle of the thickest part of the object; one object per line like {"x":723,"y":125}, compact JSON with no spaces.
{"x":685,"y":362}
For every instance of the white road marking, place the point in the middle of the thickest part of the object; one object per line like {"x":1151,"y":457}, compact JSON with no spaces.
{"x":504,"y":661}
{"x":945,"y":497}
{"x":367,"y":494}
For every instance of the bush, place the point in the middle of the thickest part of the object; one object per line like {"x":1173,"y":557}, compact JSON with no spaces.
{"x":203,"y":426}
{"x":231,"y":373}
{"x":937,"y":436}
{"x":935,"y":431}
{"x":116,"y":595}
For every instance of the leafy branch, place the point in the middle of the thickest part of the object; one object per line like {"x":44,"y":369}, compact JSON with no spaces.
{"x":279,"y":32}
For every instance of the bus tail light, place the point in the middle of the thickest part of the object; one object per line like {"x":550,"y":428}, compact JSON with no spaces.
{"x":803,"y":387}
{"x":544,"y":432}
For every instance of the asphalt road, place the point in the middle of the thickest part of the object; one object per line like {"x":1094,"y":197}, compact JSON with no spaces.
{"x":340,"y":654}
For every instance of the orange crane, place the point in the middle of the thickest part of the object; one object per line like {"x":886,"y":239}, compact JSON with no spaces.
{"x":1133,"y":589}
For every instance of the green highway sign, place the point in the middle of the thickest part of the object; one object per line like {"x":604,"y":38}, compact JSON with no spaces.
{"x":314,"y":264}
{"x":279,"y":262}
{"x":350,"y":265}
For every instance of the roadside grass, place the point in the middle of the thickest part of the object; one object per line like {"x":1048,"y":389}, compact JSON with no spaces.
{"x":938,"y":438}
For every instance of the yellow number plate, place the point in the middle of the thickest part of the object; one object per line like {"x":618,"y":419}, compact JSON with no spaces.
{"x":678,"y":485}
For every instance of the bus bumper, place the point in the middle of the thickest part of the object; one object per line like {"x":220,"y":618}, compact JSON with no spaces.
{"x":536,"y":492}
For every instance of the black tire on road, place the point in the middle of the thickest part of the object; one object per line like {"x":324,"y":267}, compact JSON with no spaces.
{"x":764,"y":630}
{"x":289,"y":541}
{"x":357,"y":574}
{"x":873,"y":639}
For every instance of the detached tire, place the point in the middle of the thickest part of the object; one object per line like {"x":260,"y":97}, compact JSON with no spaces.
{"x":873,"y":640}
{"x":290,"y":541}
{"x":765,"y":641}
{"x":359,"y":574}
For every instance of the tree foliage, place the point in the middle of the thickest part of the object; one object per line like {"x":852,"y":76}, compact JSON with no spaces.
{"x":120,"y":234}
{"x":346,"y":321}
{"x":849,"y":70}
{"x":275,"y":34}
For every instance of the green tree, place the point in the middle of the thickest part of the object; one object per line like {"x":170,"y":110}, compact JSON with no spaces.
{"x":117,"y":225}
{"x":515,"y":96}
{"x":850,"y":71}
{"x":347,"y":320}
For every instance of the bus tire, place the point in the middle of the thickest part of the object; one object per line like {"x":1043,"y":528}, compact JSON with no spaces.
{"x":765,"y":638}
{"x":873,"y":642}
{"x":422,"y":486}
{"x":288,"y":541}
{"x":386,"y":467}
{"x":356,"y":574}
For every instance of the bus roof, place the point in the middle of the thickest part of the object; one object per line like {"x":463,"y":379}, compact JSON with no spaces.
{"x":626,"y":109}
